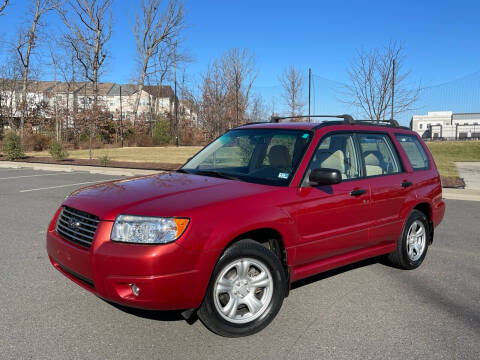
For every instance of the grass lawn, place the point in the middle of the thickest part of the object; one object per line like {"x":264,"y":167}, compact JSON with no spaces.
{"x":167,"y":154}
{"x":446,"y":153}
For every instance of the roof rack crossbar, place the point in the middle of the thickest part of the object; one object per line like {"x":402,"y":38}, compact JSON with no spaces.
{"x":348,"y":119}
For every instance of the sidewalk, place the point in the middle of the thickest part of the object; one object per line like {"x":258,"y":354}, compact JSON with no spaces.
{"x":461,"y":194}
{"x":470,"y":172}
{"x":70,"y":168}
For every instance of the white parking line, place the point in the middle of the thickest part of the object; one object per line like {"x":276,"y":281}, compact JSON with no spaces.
{"x":25,"y":176}
{"x":67,"y":185}
{"x":13,"y":169}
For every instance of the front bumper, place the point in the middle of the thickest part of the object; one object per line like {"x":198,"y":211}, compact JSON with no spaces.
{"x":168,"y":276}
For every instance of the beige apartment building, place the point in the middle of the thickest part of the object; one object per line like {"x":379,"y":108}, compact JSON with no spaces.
{"x":55,"y":96}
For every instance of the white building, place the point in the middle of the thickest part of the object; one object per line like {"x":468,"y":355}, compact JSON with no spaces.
{"x":447,"y":125}
{"x":163,"y":98}
{"x":154,"y":100}
{"x":11,"y":96}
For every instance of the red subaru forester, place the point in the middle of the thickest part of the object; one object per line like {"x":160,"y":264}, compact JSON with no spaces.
{"x":262,"y":206}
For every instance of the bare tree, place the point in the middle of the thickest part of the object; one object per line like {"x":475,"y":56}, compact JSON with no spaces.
{"x":27,"y":42}
{"x":239,"y":73}
{"x":258,"y":109}
{"x":372,"y":80}
{"x":55,"y":61}
{"x":10,"y":89}
{"x":292,"y":84}
{"x":225,"y":90}
{"x":170,"y":57}
{"x":3,"y":5}
{"x":213,"y":112}
{"x":156,"y":32}
{"x":90,"y":29}
{"x":68,"y":68}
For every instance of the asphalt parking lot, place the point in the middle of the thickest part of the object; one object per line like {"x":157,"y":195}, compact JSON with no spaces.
{"x":365,"y":311}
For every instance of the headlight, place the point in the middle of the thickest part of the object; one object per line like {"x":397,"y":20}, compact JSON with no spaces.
{"x":148,"y":230}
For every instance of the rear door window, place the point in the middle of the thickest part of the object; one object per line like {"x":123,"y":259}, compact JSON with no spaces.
{"x":378,"y":155}
{"x":415,"y":152}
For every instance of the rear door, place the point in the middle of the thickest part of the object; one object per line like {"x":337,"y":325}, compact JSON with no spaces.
{"x":389,"y":183}
{"x":333,"y":219}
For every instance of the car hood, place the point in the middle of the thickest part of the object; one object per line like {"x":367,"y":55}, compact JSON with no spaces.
{"x":168,"y":194}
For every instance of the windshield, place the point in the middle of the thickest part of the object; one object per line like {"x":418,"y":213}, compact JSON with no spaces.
{"x":263,"y":156}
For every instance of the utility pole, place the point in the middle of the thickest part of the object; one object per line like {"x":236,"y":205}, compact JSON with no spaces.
{"x":55,"y":105}
{"x":309,"y":91}
{"x":393,"y":85}
{"x":236,"y":98}
{"x":175,"y":93}
{"x":121,"y":118}
{"x":85,"y":119}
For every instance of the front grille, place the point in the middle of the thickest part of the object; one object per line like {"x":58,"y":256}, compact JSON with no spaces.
{"x":77,"y":226}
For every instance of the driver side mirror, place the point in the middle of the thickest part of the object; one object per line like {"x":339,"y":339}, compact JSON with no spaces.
{"x":324,"y":176}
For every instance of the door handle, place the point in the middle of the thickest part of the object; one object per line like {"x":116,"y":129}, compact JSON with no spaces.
{"x":406,"y":184}
{"x":358,"y":192}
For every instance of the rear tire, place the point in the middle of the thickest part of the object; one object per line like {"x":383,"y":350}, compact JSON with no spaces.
{"x":246,"y":291}
{"x":413,"y":244}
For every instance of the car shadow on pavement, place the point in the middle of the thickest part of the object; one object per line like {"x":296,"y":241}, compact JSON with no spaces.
{"x":176,"y":315}
{"x":171,"y":315}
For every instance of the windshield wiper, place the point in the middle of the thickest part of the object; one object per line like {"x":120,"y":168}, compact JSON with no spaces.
{"x":215,"y":174}
{"x":182,"y":171}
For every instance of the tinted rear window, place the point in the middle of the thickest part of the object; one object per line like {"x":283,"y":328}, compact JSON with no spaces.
{"x":414,"y":150}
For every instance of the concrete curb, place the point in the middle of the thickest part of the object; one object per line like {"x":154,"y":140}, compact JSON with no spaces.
{"x":70,"y":168}
{"x":461,"y":194}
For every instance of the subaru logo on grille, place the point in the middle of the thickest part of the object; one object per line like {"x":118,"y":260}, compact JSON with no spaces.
{"x":74,"y":223}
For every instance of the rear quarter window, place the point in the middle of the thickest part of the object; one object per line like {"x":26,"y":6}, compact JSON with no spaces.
{"x":415,"y":152}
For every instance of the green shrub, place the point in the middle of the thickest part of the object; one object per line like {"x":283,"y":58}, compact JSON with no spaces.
{"x":161,"y":132}
{"x":12,"y":147}
{"x":84,"y":137}
{"x":57,"y":151}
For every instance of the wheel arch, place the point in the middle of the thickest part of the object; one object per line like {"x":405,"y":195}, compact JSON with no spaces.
{"x":426,"y":209}
{"x":268,"y":237}
{"x":272,"y":239}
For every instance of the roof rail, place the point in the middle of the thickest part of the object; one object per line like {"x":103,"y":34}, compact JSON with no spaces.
{"x":348,"y":119}
{"x":392,"y":122}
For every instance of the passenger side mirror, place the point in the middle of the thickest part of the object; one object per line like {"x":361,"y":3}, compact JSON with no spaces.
{"x":324,"y":176}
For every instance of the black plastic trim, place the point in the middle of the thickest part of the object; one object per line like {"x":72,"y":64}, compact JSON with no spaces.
{"x":83,"y":279}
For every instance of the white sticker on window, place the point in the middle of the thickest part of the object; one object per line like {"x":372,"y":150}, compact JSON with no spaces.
{"x":283,"y":175}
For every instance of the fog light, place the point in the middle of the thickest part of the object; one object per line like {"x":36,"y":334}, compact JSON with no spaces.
{"x":135,"y":289}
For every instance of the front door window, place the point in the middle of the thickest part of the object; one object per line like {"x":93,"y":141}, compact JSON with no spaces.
{"x":337,"y":151}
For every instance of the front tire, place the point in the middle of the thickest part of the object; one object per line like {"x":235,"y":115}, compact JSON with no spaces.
{"x":413,"y":245}
{"x":246,"y":291}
